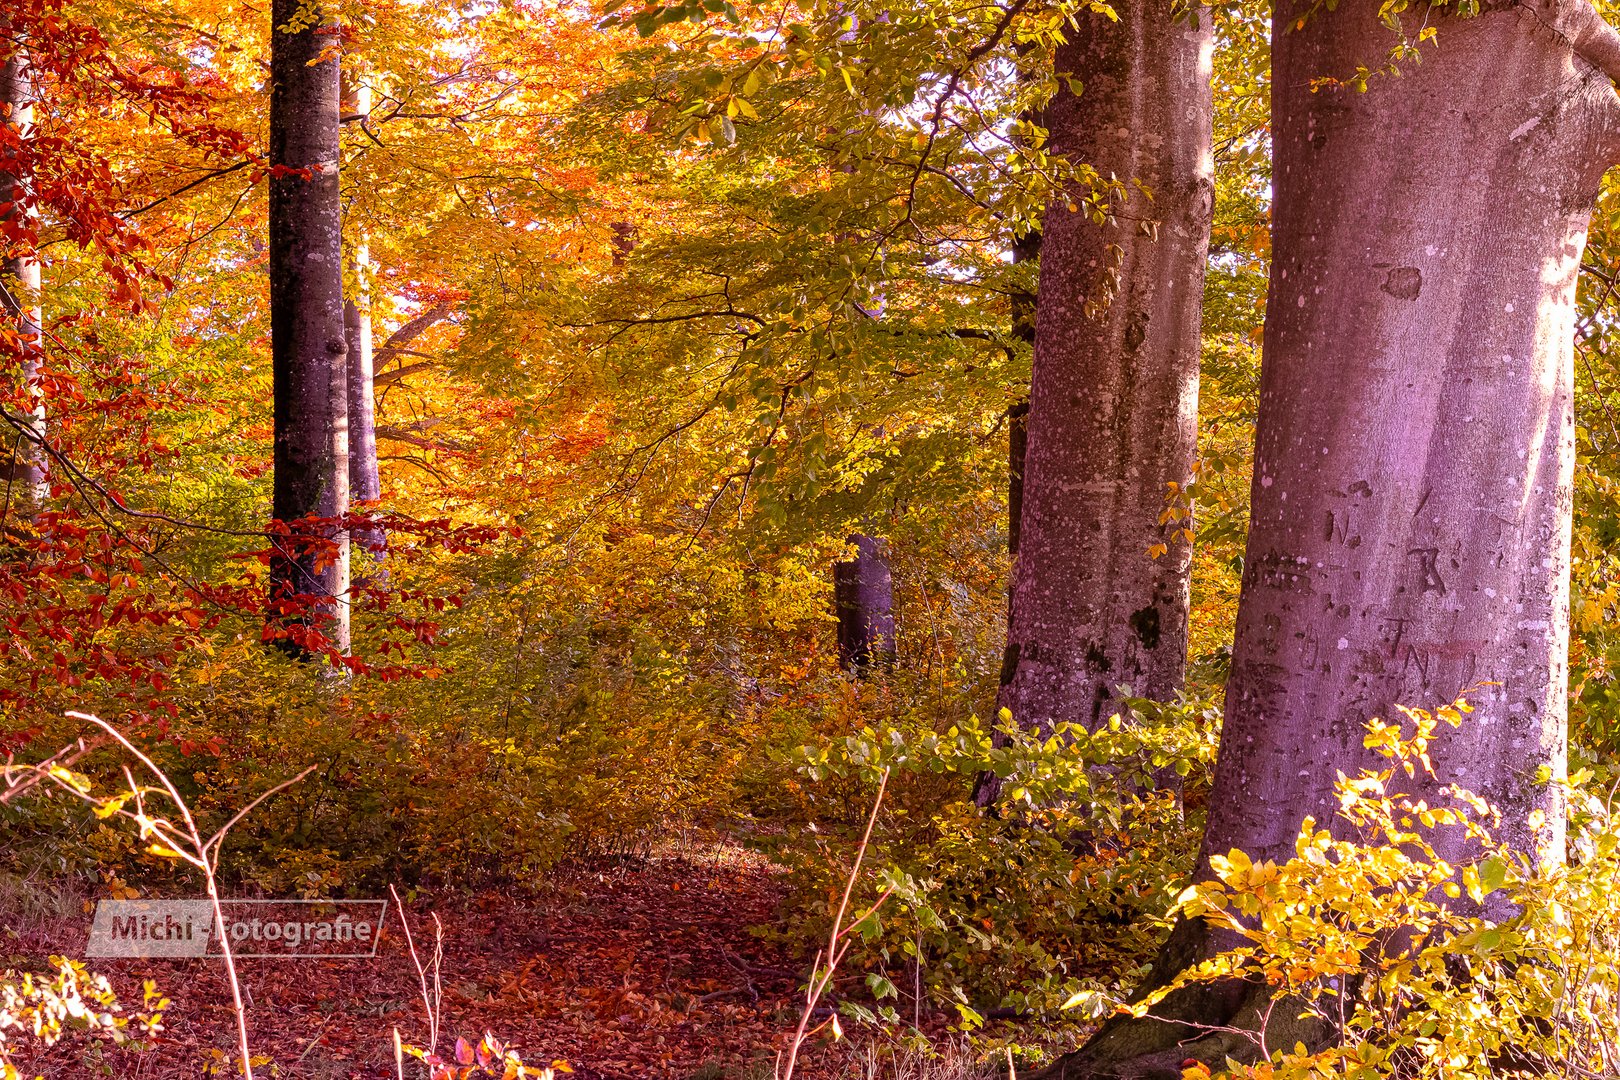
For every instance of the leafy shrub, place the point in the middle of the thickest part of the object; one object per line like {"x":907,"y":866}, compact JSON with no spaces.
{"x":1015,"y":909}
{"x":1369,"y":933}
{"x":49,"y":1007}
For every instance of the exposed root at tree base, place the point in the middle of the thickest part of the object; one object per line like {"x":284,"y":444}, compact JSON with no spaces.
{"x":1207,"y":1022}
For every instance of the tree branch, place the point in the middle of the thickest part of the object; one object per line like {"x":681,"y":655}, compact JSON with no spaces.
{"x":408,"y":333}
{"x":203,"y":179}
{"x":399,"y":373}
{"x":1579,"y":23}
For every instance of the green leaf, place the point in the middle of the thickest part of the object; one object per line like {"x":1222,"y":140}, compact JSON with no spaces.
{"x":881,"y":987}
{"x":1493,"y":873}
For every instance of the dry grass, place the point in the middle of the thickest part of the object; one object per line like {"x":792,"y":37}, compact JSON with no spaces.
{"x":34,"y":905}
{"x":947,"y":1060}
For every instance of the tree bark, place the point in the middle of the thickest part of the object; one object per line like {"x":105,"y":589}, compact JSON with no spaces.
{"x":365,"y":483}
{"x":1410,"y":530}
{"x":863,"y":593}
{"x":309,"y":356}
{"x":1113,"y":393}
{"x":625,"y":237}
{"x":1409,"y":537}
{"x":26,"y":484}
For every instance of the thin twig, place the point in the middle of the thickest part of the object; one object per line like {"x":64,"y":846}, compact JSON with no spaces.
{"x":429,"y":1005}
{"x":821,"y":977}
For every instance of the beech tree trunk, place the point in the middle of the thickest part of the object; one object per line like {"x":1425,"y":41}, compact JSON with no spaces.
{"x":365,"y":484}
{"x":308,"y":573}
{"x":1113,"y":394}
{"x":1409,"y":538}
{"x":863,"y":593}
{"x":1415,"y":448}
{"x":20,"y":274}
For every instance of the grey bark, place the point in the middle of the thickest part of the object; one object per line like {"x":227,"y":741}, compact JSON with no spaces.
{"x":365,"y":483}
{"x":26,"y":484}
{"x":863,"y":594}
{"x":309,"y":355}
{"x":1409,"y":538}
{"x":1113,"y":394}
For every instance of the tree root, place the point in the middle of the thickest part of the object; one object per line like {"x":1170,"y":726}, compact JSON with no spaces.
{"x":1205,"y":1022}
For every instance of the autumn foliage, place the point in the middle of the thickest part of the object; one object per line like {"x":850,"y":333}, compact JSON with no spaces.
{"x":670,"y":301}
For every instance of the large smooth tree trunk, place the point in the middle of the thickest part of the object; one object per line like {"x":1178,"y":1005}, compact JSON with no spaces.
{"x":306,"y":325}
{"x":20,"y":274}
{"x":863,"y":594}
{"x":365,"y":483}
{"x":1410,"y":530}
{"x":1410,"y":524}
{"x":1113,"y":394}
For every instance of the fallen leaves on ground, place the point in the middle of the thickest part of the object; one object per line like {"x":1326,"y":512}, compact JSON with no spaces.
{"x":634,"y":968}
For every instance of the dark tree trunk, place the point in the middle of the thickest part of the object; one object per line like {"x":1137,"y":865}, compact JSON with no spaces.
{"x":863,"y":593}
{"x":26,"y":487}
{"x":1409,"y":538}
{"x":306,"y":320}
{"x":1113,"y":394}
{"x":1026,"y":248}
{"x":365,"y":483}
{"x":625,"y":237}
{"x":1017,"y":451}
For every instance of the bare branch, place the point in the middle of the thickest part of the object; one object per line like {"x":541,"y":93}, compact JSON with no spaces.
{"x":408,"y":333}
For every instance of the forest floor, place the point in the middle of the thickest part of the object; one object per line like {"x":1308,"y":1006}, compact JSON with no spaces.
{"x":640,"y":968}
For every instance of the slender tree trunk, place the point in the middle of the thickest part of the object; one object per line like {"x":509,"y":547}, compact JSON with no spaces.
{"x":1017,"y":451}
{"x":1409,"y":537}
{"x":1113,"y":394}
{"x":365,"y":484}
{"x":306,"y":323}
{"x":1026,"y":248}
{"x":863,"y":592}
{"x":20,"y":275}
{"x":335,"y":505}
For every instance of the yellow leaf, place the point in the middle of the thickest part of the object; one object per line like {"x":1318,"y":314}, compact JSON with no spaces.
{"x":108,"y":807}
{"x":77,"y":781}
